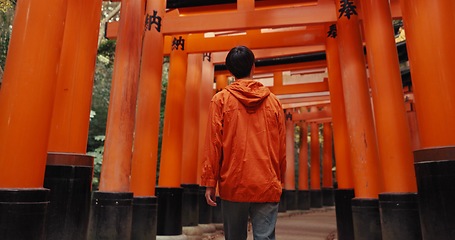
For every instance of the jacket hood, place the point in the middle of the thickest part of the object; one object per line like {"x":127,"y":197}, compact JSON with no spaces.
{"x":249,"y":92}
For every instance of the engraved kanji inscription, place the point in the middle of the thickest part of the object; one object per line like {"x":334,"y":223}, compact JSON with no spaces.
{"x":176,"y":42}
{"x":347,"y":9}
{"x":332,"y":31}
{"x":151,"y":20}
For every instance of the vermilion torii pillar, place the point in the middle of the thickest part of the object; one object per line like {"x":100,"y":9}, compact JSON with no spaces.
{"x":205,"y":97}
{"x":145,"y":147}
{"x":431,"y":50}
{"x":26,"y":102}
{"x":30,"y":47}
{"x":69,"y":170}
{"x":344,"y":177}
{"x":304,"y":188}
{"x":398,"y":218}
{"x":364,"y":153}
{"x":169,"y":192}
{"x":116,"y":168}
{"x":327,"y":159}
{"x":71,"y":112}
{"x":289,"y":190}
{"x":206,"y":212}
{"x":114,"y":197}
{"x":315,"y":167}
{"x":190,"y":207}
{"x":221,"y":82}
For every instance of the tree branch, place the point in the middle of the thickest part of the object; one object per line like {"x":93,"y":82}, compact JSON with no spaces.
{"x":105,"y":20}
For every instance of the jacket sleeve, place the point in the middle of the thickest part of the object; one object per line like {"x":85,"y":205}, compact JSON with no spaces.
{"x":282,"y":142}
{"x":213,"y":145}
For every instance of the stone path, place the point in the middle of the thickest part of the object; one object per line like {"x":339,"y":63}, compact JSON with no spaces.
{"x":315,"y":224}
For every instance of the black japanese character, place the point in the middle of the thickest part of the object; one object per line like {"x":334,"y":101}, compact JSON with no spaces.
{"x":176,"y":42}
{"x":207,"y":56}
{"x":288,"y":116}
{"x":347,"y":9}
{"x":153,"y":19}
{"x":332,"y":31}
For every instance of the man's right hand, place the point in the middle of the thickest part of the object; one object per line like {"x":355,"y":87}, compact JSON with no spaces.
{"x":210,"y":196}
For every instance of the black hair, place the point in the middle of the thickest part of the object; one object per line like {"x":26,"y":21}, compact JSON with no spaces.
{"x":239,"y":61}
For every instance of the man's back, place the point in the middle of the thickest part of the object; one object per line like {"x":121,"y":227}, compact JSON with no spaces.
{"x":245,"y":151}
{"x":249,"y":125}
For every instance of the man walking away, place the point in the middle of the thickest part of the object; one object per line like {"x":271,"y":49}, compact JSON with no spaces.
{"x":245,"y":152}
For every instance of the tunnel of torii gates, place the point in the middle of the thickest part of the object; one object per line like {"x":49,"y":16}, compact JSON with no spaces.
{"x":394,"y":177}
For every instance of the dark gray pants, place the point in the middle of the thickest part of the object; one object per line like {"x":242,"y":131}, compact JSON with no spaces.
{"x":263,"y":217}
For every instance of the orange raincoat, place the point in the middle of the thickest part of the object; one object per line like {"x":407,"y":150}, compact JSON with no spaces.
{"x":245,"y":150}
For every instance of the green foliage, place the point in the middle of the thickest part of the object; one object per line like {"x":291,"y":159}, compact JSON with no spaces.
{"x":164,"y":81}
{"x":98,"y":160}
{"x":100,"y":103}
{"x":6,"y":5}
{"x":106,"y":52}
{"x":101,"y":93}
{"x":6,"y":20}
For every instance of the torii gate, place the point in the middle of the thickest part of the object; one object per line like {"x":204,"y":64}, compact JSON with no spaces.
{"x":197,"y":22}
{"x":387,"y":176}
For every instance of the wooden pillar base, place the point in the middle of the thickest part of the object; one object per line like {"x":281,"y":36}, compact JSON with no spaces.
{"x":315,"y":198}
{"x":435,"y":173}
{"x":399,"y":216}
{"x":282,"y":206}
{"x":111,"y":216}
{"x":303,"y":200}
{"x":327,"y":197}
{"x":23,"y":213}
{"x":144,"y":218}
{"x":69,"y":178}
{"x":169,"y":211}
{"x":343,"y":211}
{"x":366,"y":219}
{"x":291,"y":199}
{"x":205,"y":211}
{"x":190,"y":205}
{"x":217,"y":215}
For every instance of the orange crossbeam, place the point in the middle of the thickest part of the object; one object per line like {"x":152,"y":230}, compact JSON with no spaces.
{"x":219,"y":57}
{"x":311,"y":101}
{"x":257,"y":5}
{"x":311,"y":116}
{"x":174,"y":23}
{"x":279,"y":89}
{"x":283,"y":67}
{"x":291,"y":66}
{"x":303,"y":104}
{"x":299,"y":102}
{"x":322,"y":120}
{"x":198,"y":43}
{"x":191,"y":20}
{"x":300,"y":88}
